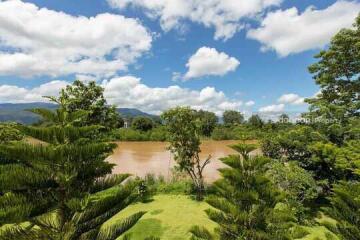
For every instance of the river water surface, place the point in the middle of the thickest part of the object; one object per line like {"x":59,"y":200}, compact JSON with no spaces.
{"x":141,"y":158}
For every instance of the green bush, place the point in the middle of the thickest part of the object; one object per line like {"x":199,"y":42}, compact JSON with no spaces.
{"x":8,"y":132}
{"x":158,"y":184}
{"x":129,"y":134}
{"x":239,"y":132}
{"x":142,"y":123}
{"x":223,"y":133}
{"x":158,"y":134}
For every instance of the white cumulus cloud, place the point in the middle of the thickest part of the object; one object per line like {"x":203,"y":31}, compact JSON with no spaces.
{"x":225,"y":16}
{"x":249,"y":103}
{"x":208,"y":61}
{"x":291,"y":98}
{"x":15,"y":94}
{"x":272,"y":108}
{"x":288,"y":31}
{"x":128,"y":91}
{"x":38,"y":41}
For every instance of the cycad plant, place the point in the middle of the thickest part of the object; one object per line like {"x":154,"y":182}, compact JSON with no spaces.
{"x":244,"y":200}
{"x":61,"y":189}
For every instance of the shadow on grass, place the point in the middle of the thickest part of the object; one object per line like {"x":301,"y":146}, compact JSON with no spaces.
{"x":147,"y":227}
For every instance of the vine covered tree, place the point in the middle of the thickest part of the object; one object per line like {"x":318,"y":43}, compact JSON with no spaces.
{"x":183,"y":126}
{"x":53,"y":190}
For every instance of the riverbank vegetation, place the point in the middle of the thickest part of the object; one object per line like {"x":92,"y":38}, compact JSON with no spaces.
{"x":304,"y":185}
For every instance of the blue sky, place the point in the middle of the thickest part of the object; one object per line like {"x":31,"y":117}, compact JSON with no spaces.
{"x":227,"y":69}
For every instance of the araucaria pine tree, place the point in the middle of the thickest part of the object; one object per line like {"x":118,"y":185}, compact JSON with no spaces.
{"x":51,"y":190}
{"x":345,"y":209}
{"x":244,"y":200}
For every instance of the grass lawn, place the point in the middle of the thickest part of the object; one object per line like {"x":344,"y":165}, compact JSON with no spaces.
{"x":169,"y":217}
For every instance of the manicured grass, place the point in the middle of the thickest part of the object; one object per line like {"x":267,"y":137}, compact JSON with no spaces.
{"x":171,"y":216}
{"x":168,"y":216}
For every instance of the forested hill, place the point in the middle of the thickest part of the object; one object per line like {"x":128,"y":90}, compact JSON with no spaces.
{"x":16,"y":112}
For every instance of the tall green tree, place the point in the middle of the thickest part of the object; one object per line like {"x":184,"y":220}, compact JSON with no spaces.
{"x":255,"y":121}
{"x":142,"y":123}
{"x":244,"y":200}
{"x":89,"y":97}
{"x":53,"y":190}
{"x":231,"y":117}
{"x":337,"y":72}
{"x":184,"y":128}
{"x":208,"y":121}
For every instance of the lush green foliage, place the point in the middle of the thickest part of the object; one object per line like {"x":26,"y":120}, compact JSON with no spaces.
{"x":184,"y":138}
{"x":142,"y":123}
{"x":337,"y":73}
{"x":255,"y":121}
{"x":9,"y":132}
{"x":245,"y":200}
{"x":329,"y":147}
{"x":45,"y":189}
{"x":127,"y":134}
{"x":299,"y":186}
{"x":241,"y":132}
{"x":208,"y":121}
{"x":60,"y":189}
{"x":231,"y":117}
{"x":345,"y":208}
{"x":89,"y":97}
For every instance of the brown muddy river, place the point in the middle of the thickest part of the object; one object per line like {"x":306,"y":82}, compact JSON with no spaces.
{"x":141,"y":158}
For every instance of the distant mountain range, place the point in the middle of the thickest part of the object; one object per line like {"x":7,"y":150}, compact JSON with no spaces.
{"x":16,"y":112}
